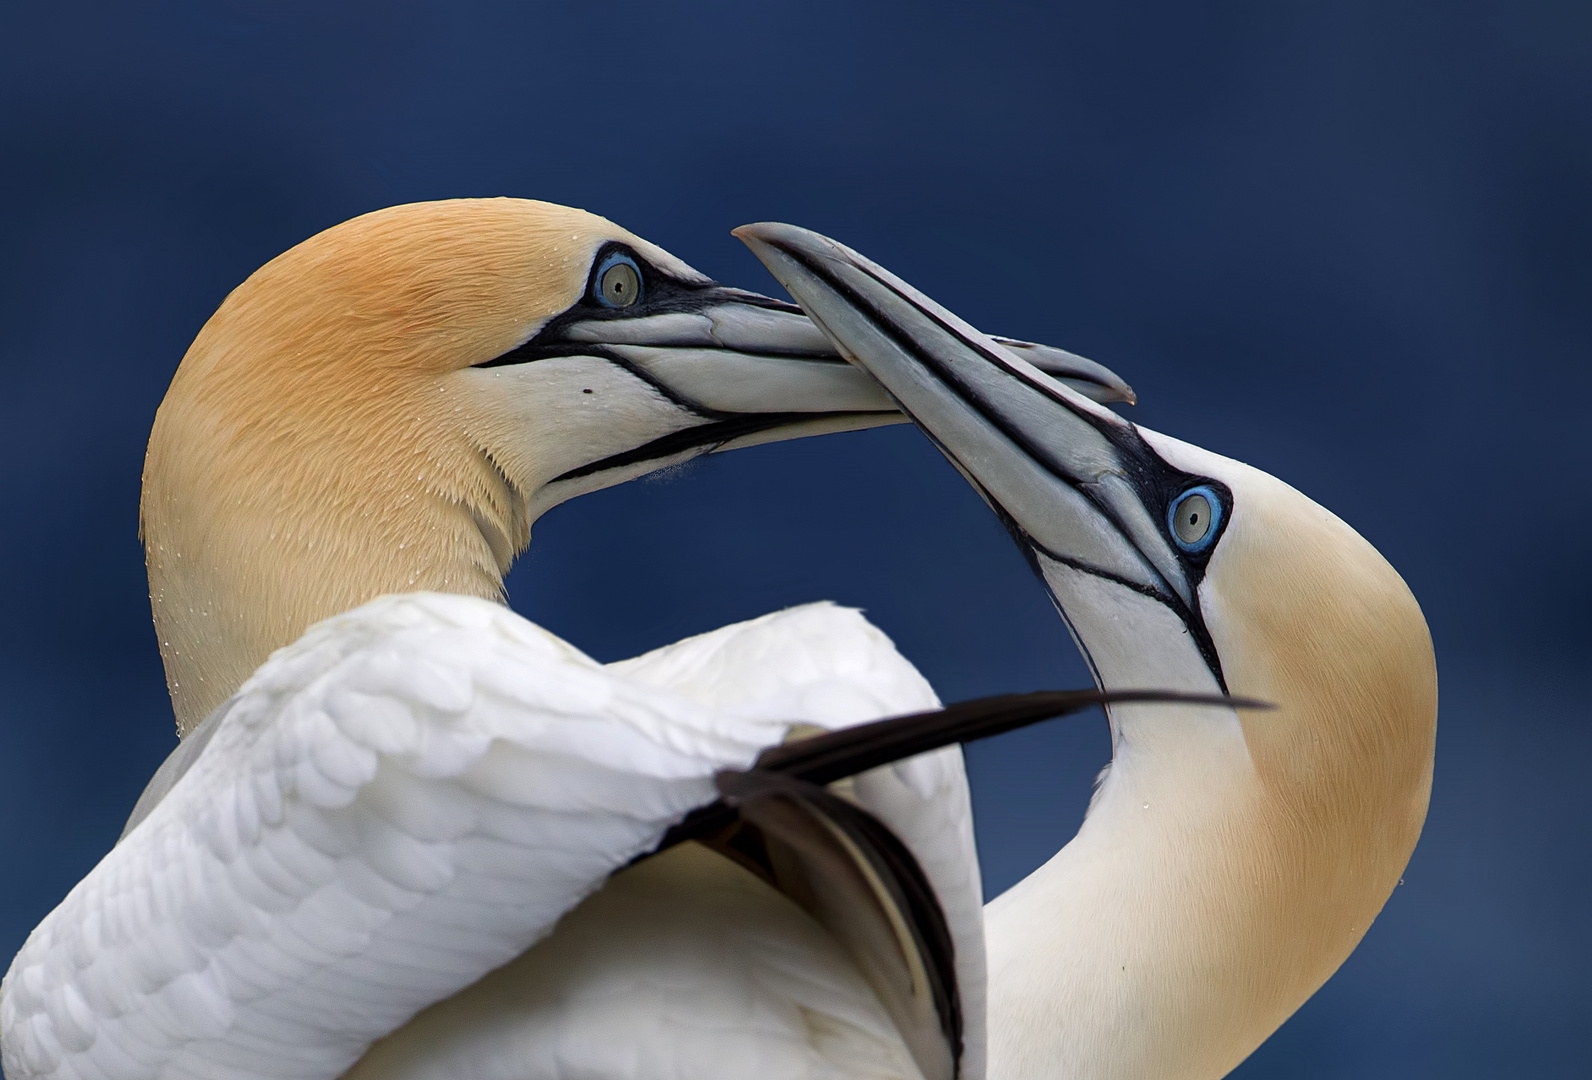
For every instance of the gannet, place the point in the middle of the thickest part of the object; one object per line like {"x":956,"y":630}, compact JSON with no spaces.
{"x":346,"y":839}
{"x":390,"y":785}
{"x":388,"y":406}
{"x":1229,"y":861}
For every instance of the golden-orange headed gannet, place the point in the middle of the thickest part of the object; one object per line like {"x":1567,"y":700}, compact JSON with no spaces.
{"x":363,"y":820}
{"x":388,"y":406}
{"x":1229,"y":861}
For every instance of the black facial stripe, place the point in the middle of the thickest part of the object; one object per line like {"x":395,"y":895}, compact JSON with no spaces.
{"x":1136,"y":454}
{"x":661,"y":294}
{"x":1194,"y":620}
{"x":537,"y":349}
{"x":991,"y":416}
{"x":964,"y":392}
{"x":716,"y":433}
{"x":661,"y":387}
{"x":1032,"y":549}
{"x":680,"y":401}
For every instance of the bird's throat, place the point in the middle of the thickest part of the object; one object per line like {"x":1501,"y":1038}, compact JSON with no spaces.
{"x":245,"y":553}
{"x":1140,"y":949}
{"x":225,"y":600}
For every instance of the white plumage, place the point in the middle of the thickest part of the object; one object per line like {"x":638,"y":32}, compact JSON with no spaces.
{"x":413,"y":793}
{"x":403,"y":848}
{"x":1230,"y":859}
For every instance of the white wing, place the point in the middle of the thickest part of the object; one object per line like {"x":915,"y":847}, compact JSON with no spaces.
{"x":829,"y":666}
{"x":687,"y":965}
{"x":682,"y":966}
{"x":406,"y":798}
{"x":402,"y":801}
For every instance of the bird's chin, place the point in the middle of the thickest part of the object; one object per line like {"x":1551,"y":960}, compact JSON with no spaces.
{"x":1129,"y":640}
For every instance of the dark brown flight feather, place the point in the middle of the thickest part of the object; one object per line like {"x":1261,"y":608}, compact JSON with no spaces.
{"x":851,"y":873}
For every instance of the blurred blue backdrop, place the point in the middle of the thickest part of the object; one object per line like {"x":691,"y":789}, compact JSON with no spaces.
{"x":1348,"y":243}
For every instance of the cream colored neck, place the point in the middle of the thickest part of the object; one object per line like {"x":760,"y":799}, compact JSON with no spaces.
{"x":225,"y":597}
{"x":254,"y":530}
{"x":314,"y":450}
{"x":1194,"y":912}
{"x":1227,"y":866}
{"x":1133,"y":952}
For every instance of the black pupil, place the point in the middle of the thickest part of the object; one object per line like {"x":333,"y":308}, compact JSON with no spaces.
{"x":619,"y":284}
{"x":1190,"y":523}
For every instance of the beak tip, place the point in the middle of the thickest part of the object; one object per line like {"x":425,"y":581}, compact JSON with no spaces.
{"x":790,"y":241}
{"x":759,"y":232}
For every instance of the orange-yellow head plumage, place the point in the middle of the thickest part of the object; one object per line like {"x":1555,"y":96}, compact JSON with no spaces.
{"x":330,"y":435}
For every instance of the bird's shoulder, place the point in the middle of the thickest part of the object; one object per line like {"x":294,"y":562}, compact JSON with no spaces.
{"x":822,"y":662}
{"x":407,"y":797}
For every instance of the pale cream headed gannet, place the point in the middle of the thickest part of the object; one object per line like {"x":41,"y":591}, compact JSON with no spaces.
{"x":414,"y":791}
{"x":1229,"y":861}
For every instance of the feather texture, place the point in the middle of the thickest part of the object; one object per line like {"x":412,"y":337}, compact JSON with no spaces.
{"x":411,"y":796}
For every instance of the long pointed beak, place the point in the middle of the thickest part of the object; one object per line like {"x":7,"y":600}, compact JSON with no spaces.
{"x":1077,"y":485}
{"x":738,"y":352}
{"x":745,"y":368}
{"x":730,"y":351}
{"x":720,"y":355}
{"x":724,"y":354}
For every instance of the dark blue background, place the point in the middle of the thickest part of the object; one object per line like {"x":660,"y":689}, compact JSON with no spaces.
{"x":1350,"y":243}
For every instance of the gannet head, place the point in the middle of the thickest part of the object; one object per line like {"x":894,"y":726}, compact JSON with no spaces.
{"x":1230,"y":861}
{"x":389,"y":405}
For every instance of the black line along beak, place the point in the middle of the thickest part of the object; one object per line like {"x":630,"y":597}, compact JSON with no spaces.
{"x":703,"y":367}
{"x":733,"y":368}
{"x":754,"y":369}
{"x":717,"y":350}
{"x":676,"y":321}
{"x":1075,"y":483}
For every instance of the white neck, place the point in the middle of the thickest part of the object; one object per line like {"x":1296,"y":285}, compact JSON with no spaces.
{"x":1100,"y":962}
{"x":1230,"y":862}
{"x":1114,"y":959}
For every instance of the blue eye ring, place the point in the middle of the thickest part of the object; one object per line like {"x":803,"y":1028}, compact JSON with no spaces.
{"x":1194,"y":518}
{"x":617,"y":281}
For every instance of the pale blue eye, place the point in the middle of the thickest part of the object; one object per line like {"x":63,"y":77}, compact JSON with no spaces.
{"x":1193,"y":518}
{"x":617,"y":282}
